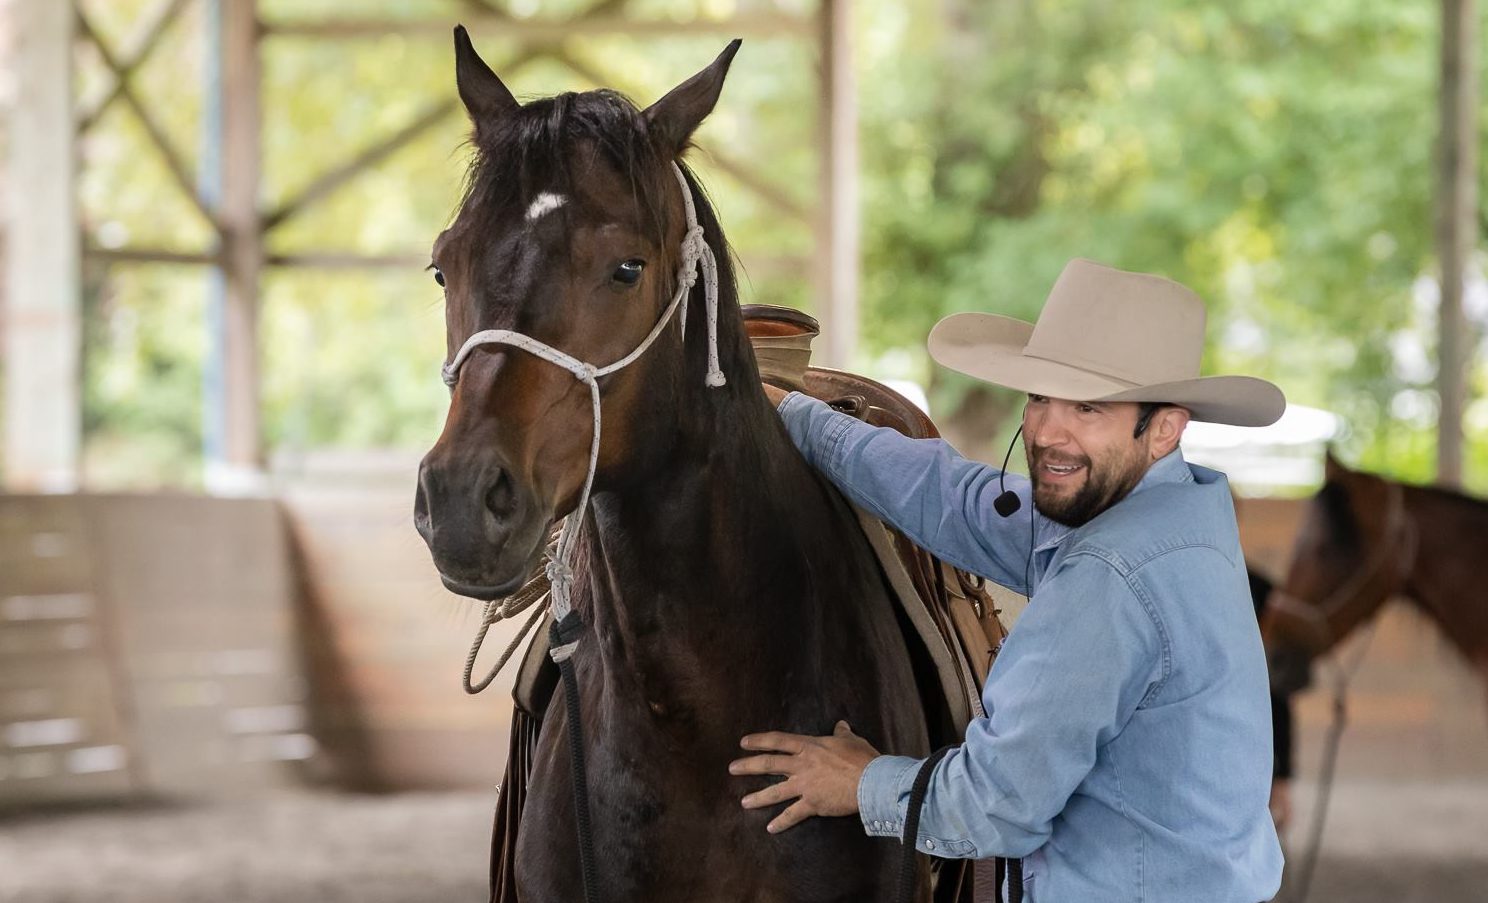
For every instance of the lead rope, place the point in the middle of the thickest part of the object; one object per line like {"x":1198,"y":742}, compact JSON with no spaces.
{"x":568,"y":626}
{"x":908,"y":861}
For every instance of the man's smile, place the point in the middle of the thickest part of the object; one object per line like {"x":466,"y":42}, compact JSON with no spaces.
{"x":1058,"y":471}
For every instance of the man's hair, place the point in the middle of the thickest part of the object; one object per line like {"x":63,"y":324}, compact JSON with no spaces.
{"x":1144,"y":416}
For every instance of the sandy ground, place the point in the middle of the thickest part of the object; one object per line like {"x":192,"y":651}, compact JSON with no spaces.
{"x":1392,"y":843}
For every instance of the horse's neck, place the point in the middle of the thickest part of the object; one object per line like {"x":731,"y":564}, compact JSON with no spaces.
{"x":1444,"y":580}
{"x":696,"y":522}
{"x":712,"y":550}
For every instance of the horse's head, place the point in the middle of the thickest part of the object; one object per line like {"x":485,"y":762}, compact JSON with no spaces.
{"x":1341,"y":571}
{"x":570,"y":234}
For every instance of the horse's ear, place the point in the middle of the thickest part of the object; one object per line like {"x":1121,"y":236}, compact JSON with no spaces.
{"x":673,"y":119}
{"x":485,"y":97}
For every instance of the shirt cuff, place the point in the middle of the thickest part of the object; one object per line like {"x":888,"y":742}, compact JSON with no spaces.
{"x":788,"y":400}
{"x":885,"y":782}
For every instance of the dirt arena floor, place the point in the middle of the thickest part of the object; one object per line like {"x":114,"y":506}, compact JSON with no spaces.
{"x":1395,"y":843}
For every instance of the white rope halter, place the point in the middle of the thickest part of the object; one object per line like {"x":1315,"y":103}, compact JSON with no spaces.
{"x":695,"y":251}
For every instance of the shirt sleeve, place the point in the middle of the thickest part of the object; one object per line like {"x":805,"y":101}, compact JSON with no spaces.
{"x":1083,"y":658}
{"x":923,"y":487}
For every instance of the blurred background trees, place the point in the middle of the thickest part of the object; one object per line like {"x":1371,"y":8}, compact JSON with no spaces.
{"x":1274,"y":156}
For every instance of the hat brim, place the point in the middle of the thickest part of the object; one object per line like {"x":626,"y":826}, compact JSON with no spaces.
{"x":990,"y":347}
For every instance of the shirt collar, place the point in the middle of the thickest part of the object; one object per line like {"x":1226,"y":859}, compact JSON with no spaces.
{"x":1170,"y":468}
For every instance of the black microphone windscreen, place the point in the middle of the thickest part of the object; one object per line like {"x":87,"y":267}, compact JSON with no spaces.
{"x":1007,"y":504}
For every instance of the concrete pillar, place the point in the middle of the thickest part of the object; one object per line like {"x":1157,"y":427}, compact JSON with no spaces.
{"x":43,"y":322}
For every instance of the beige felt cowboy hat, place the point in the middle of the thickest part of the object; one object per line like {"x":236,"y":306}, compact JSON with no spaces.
{"x":1106,"y":335}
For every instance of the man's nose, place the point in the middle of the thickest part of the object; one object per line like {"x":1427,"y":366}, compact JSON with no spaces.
{"x":1045,"y":428}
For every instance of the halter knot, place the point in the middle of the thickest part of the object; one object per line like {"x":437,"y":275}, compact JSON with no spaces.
{"x":559,"y":573}
{"x":693,"y":247}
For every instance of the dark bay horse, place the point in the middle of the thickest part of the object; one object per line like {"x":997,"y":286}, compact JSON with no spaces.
{"x":725,"y":586}
{"x":1365,"y":539}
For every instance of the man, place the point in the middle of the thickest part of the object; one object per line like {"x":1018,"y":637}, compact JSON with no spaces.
{"x":1126,"y":750}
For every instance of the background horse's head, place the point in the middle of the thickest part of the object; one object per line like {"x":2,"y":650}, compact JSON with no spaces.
{"x":1343,"y":568}
{"x":569,"y":233}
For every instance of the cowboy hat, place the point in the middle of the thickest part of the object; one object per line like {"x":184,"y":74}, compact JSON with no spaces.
{"x":1106,"y":335}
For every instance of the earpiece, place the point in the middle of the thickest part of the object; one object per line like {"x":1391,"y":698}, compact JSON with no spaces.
{"x":1008,"y":503}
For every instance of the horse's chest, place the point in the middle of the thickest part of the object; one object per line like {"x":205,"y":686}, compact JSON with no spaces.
{"x":665,"y":828}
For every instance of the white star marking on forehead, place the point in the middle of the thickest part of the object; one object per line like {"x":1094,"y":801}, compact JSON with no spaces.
{"x":546,"y":202}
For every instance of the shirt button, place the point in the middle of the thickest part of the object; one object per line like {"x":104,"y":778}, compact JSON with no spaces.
{"x":878,"y":826}
{"x":929,"y":844}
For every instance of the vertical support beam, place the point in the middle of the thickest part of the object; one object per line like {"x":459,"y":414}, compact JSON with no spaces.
{"x":1456,"y":225}
{"x":234,"y":452}
{"x":43,"y":322}
{"x":838,"y":216}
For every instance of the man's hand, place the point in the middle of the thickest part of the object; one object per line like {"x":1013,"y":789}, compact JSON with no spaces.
{"x":775,"y":394}
{"x":821,"y":773}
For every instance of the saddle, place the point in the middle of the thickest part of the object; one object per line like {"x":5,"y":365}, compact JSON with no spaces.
{"x":950,"y":618}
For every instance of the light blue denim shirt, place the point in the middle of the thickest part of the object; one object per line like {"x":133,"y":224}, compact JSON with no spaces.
{"x":1126,"y":754}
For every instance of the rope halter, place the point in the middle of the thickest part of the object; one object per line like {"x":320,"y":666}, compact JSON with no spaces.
{"x":695,"y":254}
{"x":1387,"y":567}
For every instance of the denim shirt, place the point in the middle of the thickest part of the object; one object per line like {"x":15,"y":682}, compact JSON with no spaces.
{"x":1126,"y":752}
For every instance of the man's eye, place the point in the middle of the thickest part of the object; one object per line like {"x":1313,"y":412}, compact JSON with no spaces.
{"x":629,"y":272}
{"x":1036,"y":399}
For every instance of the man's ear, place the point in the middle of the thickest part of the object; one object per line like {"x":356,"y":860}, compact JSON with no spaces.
{"x":674,"y":118}
{"x":1166,"y":429}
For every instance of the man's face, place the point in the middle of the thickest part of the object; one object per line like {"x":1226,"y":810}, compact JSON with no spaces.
{"x":1083,"y":457}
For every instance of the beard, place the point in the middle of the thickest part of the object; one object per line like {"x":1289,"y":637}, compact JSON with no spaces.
{"x":1105,"y":484}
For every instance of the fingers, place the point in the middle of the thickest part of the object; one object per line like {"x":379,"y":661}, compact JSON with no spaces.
{"x":775,"y":741}
{"x":792,"y":816}
{"x":772,"y":795}
{"x":784,"y":765}
{"x":842,"y":729}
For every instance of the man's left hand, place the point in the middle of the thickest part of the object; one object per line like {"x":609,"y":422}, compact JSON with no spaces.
{"x":821,"y":773}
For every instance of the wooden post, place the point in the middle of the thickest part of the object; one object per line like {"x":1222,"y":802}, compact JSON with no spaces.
{"x":234,"y":450}
{"x":1456,"y":225}
{"x":43,"y":323}
{"x":838,"y":224}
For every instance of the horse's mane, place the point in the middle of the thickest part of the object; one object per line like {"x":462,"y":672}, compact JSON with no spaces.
{"x":1453,"y":497}
{"x":1334,"y":500}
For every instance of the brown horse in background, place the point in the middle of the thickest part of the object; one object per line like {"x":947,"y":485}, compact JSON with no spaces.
{"x":1364,"y":540}
{"x":727,"y":588}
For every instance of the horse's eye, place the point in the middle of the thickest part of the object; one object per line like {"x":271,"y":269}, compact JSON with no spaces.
{"x":629,"y":272}
{"x":439,"y":276}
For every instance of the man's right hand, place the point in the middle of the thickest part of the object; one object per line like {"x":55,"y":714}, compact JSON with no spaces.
{"x":775,"y":394}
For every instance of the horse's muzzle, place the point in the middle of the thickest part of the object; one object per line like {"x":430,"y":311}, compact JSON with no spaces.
{"x":482,"y":526}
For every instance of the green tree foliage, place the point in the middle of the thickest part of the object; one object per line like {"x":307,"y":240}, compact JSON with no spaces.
{"x":1275,"y":156}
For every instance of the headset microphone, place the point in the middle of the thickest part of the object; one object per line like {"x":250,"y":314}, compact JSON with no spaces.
{"x":1008,"y":503}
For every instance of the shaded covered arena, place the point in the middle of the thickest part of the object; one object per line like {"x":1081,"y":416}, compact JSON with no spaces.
{"x":229,"y":669}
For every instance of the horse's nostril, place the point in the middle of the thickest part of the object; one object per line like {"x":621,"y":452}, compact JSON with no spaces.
{"x":501,"y":496}
{"x":421,"y":509}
